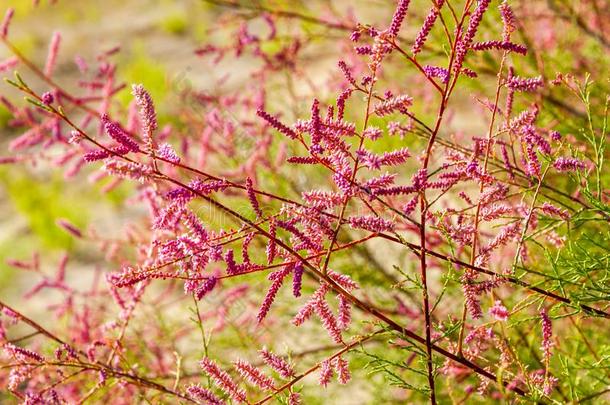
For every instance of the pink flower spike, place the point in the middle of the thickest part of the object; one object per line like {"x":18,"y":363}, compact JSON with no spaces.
{"x":326,"y":373}
{"x":436,"y":71}
{"x":501,"y":45}
{"x":6,"y":22}
{"x":81,"y":64}
{"x":128,"y":170}
{"x":383,"y":181}
{"x":555,"y":136}
{"x":167,"y":152}
{"x":205,"y":288}
{"x":69,"y":227}
{"x":508,"y":19}
{"x":232,"y":267}
{"x":271,"y":248}
{"x":328,"y":320}
{"x":422,"y":35}
{"x":96,"y":155}
{"x":117,"y":133}
{"x":196,"y":392}
{"x":343,"y":280}
{"x":465,"y":41}
{"x":8,"y":64}
{"x":275,"y":123}
{"x":345,"y":94}
{"x":372,"y":133}
{"x":420,"y":179}
{"x":297,"y":279}
{"x":223,"y":380}
{"x":294,"y":398}
{"x":564,"y":164}
{"x":303,"y":314}
{"x":371,"y":223}
{"x":341,"y":367}
{"x":551,"y":210}
{"x":253,"y":375}
{"x":148,"y":116}
{"x":499,"y":311}
{"x":278,"y":280}
{"x":393,"y":158}
{"x":344,"y":316}
{"x":277,"y":363}
{"x":547,"y":333}
{"x":347,"y":73}
{"x":22,"y":354}
{"x":531,"y":84}
{"x":399,"y":16}
{"x":52,"y":56}
{"x":471,"y":298}
{"x":409,"y":207}
{"x":399,"y":103}
{"x":252,"y":198}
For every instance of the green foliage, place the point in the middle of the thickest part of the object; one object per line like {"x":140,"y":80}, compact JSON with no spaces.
{"x":403,"y":367}
{"x":42,"y":202}
{"x":141,"y":68}
{"x":175,"y":23}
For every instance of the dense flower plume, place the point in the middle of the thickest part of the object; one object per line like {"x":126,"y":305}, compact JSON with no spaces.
{"x":430,"y":205}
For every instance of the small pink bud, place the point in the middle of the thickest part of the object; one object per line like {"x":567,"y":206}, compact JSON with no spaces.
{"x":47,"y":98}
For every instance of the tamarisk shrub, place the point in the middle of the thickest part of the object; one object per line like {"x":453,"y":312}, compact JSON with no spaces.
{"x":428,"y":222}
